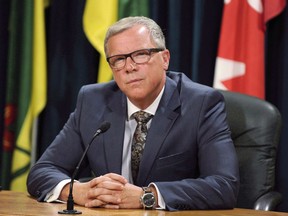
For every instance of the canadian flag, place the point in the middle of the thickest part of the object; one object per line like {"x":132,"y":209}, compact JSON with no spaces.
{"x":240,"y":60}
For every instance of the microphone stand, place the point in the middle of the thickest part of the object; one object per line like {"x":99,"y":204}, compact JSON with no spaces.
{"x":70,"y":202}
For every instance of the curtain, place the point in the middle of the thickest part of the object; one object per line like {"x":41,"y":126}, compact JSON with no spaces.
{"x":277,"y":92}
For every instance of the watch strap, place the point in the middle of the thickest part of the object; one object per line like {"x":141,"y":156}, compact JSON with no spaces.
{"x":146,"y":190}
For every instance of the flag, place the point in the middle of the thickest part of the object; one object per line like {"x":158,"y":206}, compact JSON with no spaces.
{"x":4,"y":15}
{"x":133,"y":8}
{"x":26,"y":89}
{"x":99,"y":15}
{"x":241,"y":52}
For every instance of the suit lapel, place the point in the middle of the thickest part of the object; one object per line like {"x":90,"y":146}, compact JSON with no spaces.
{"x":116,"y":115}
{"x":162,"y":122}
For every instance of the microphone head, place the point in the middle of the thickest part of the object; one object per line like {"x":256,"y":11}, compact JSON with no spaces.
{"x":104,"y":126}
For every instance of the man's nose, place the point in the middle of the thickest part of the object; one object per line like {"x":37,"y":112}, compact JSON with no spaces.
{"x":130,"y":64}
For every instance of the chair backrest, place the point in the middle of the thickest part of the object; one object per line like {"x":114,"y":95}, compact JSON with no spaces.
{"x":256,"y":126}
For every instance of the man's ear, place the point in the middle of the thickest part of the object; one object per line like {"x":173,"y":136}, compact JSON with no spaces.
{"x":166,"y":59}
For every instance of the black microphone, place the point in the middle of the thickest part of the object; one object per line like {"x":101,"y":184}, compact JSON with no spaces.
{"x":70,"y":202}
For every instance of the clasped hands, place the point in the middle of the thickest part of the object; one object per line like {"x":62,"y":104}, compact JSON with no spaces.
{"x":107,"y":191}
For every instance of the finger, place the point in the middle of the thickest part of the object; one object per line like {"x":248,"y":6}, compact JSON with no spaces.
{"x":108,"y":177}
{"x":110,"y":206}
{"x":110,"y":185}
{"x":98,"y":191}
{"x":110,"y":199}
{"x":94,"y":182}
{"x":116,"y":177}
{"x":95,"y":203}
{"x":103,"y":200}
{"x":104,"y":188}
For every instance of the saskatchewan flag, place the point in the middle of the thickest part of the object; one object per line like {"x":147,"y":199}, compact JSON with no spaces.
{"x":26,"y":89}
{"x":99,"y":15}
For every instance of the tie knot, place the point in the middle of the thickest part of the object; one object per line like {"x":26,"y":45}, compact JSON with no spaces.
{"x":142,"y":117}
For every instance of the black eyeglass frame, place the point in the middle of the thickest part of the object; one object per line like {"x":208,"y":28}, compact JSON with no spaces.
{"x":150,"y":51}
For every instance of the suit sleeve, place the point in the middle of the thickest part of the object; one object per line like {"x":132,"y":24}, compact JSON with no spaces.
{"x":55,"y":165}
{"x":217,"y":184}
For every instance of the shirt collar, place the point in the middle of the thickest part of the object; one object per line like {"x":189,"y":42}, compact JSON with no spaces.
{"x":131,"y":108}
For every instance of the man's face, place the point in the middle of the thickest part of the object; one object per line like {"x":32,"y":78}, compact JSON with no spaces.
{"x":140,"y":82}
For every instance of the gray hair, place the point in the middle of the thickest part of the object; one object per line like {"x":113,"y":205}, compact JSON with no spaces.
{"x":123,"y":24}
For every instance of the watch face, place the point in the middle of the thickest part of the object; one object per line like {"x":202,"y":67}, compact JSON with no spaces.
{"x":149,"y":200}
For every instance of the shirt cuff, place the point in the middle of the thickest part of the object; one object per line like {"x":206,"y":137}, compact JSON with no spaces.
{"x":161,"y":202}
{"x":54,"y":194}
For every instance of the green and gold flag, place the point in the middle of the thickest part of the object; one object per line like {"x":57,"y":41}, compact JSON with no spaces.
{"x":26,"y":89}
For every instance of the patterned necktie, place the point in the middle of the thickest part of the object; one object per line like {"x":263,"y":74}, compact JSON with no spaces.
{"x":139,"y":139}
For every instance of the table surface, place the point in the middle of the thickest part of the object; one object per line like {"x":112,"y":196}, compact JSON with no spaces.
{"x":19,"y":203}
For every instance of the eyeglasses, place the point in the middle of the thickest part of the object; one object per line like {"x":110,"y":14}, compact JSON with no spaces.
{"x":142,"y":56}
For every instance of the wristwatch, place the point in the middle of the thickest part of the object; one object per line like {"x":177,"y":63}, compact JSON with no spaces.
{"x":148,"y":198}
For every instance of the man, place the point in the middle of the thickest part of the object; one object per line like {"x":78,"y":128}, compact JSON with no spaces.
{"x":188,"y":161}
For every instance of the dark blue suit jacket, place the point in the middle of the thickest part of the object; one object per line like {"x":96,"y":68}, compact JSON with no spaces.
{"x":188,"y":154}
